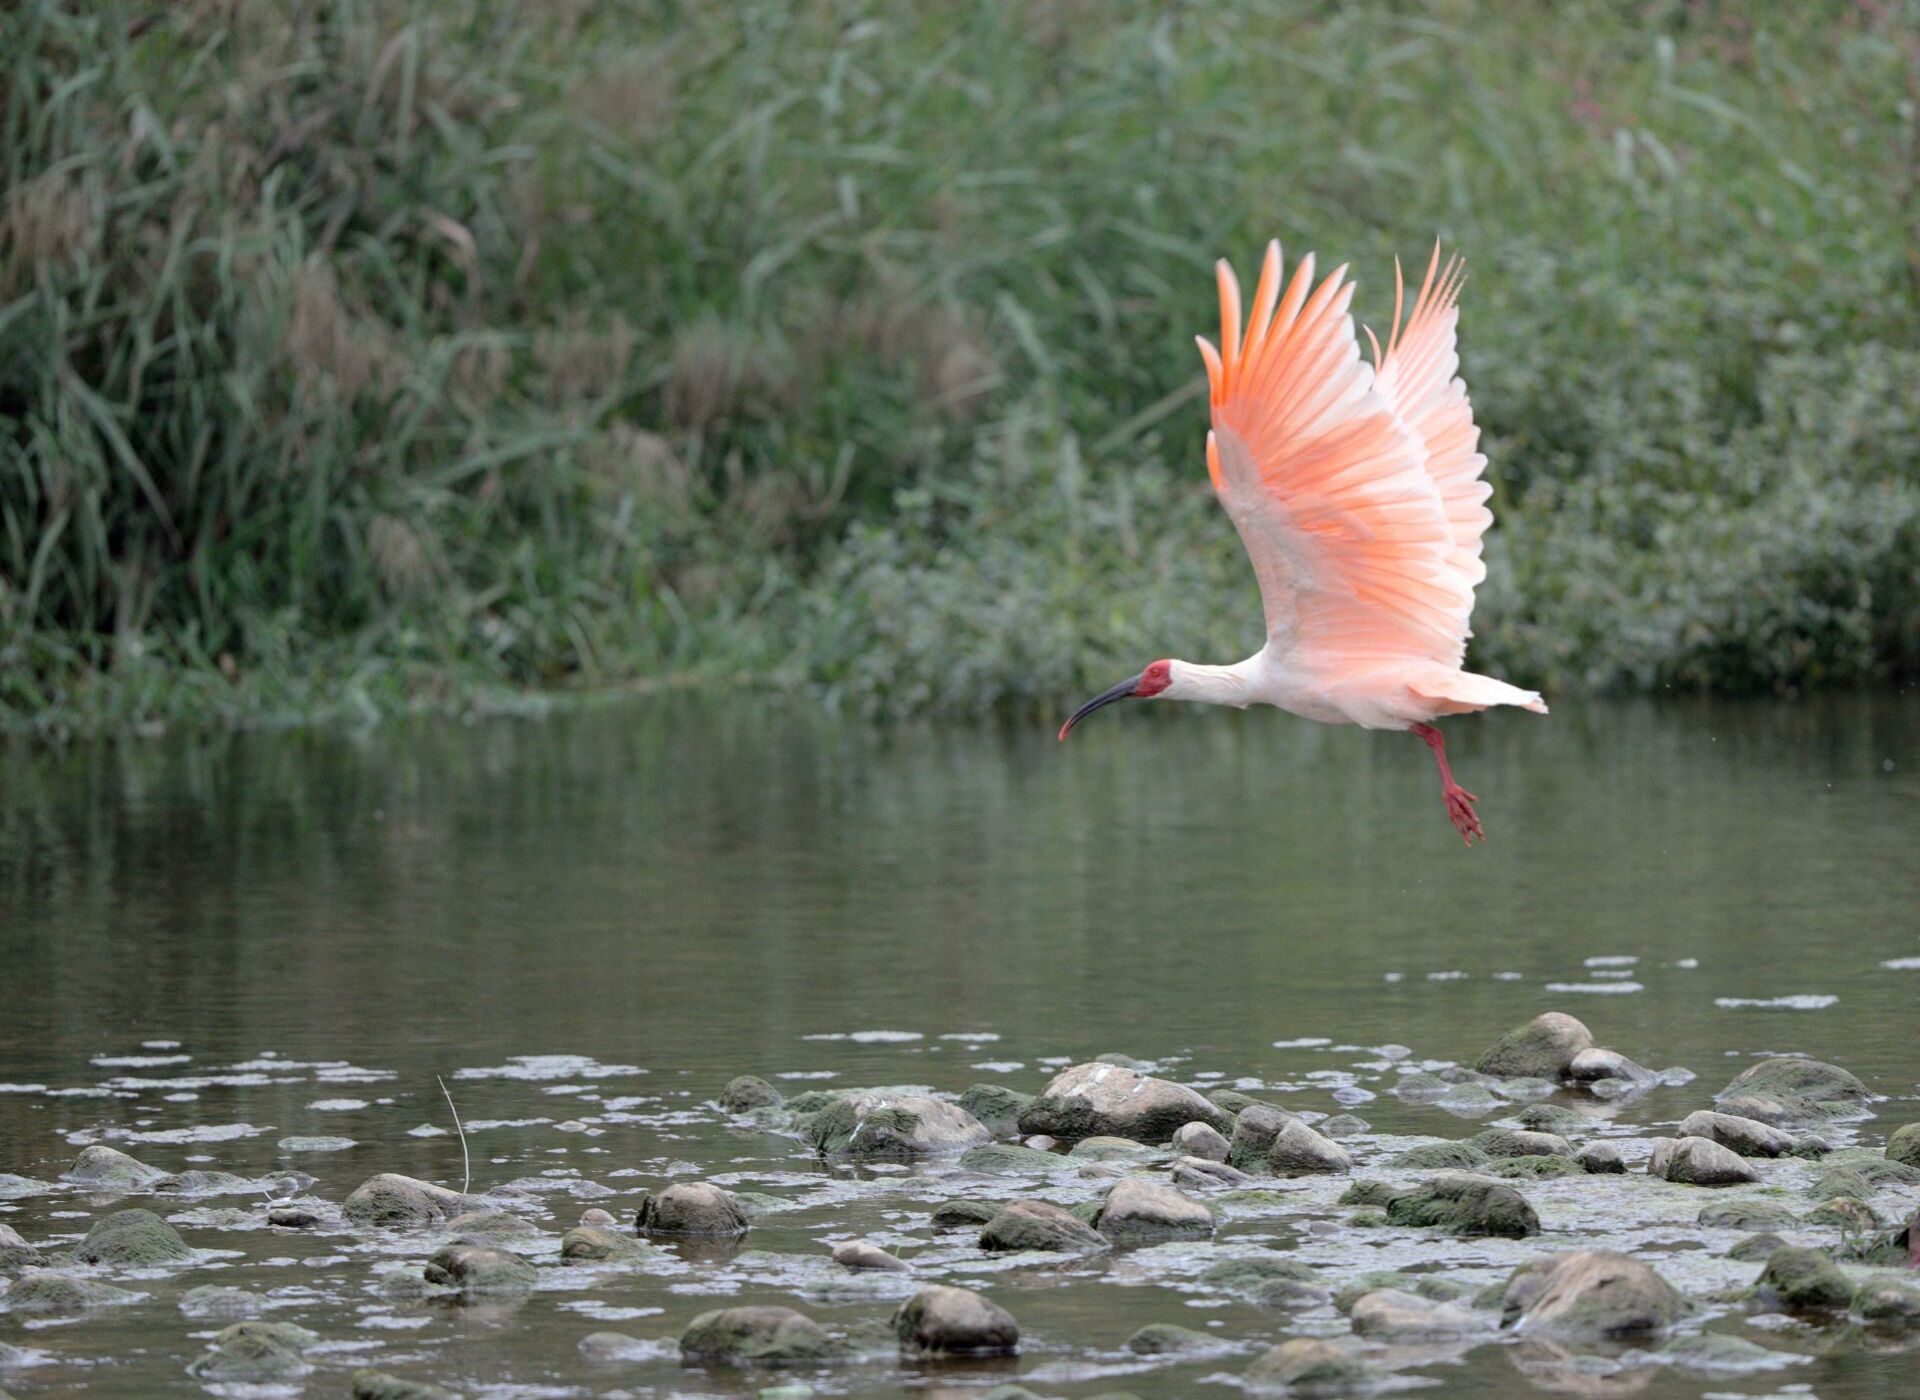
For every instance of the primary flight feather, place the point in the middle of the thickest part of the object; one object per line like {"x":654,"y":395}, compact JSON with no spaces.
{"x":1356,"y":488}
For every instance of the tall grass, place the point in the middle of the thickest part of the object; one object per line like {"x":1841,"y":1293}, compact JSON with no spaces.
{"x":372,"y":353}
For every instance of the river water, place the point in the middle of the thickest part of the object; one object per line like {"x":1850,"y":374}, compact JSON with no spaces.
{"x":587,"y":923}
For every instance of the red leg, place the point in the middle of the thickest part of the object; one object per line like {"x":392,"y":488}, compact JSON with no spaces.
{"x":1459,"y":801}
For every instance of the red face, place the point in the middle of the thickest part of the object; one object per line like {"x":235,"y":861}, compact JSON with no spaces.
{"x":1154,"y":679}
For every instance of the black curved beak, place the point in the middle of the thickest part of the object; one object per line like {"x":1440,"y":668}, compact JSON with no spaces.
{"x":1122,"y":691}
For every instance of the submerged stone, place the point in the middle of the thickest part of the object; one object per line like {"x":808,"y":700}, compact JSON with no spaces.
{"x":478,"y":1271}
{"x":219,"y":1300}
{"x":1308,"y":1366}
{"x":108,"y":1168}
{"x":997,"y":1107}
{"x":1137,"y":1211}
{"x":955,"y":1321}
{"x":1544,"y":1048}
{"x":378,"y":1385}
{"x":757,"y":1336}
{"x":1694,"y":1161}
{"x":691,"y":1208}
{"x":133,"y":1239}
{"x":746,"y":1092}
{"x":1717,"y":1352}
{"x":1904,"y":1145}
{"x":393,"y":1199}
{"x":1168,"y":1339}
{"x":1745,"y":1215}
{"x":1090,"y":1100}
{"x":1441,"y":1156}
{"x":1591,"y":1293}
{"x":1889,"y":1303}
{"x":872,"y":1127}
{"x":1534,"y":1168}
{"x":1801,"y":1279}
{"x":964,"y":1214}
{"x":1755,"y":1247}
{"x":1039,"y":1225}
{"x":592,"y":1244}
{"x":38,"y":1291}
{"x":254,"y":1352}
{"x":499,"y":1228}
{"x":1465,"y":1205}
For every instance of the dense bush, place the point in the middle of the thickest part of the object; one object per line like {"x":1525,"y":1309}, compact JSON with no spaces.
{"x":376,"y":353}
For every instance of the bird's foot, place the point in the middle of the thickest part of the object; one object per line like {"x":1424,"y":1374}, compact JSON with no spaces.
{"x":1460,"y":812}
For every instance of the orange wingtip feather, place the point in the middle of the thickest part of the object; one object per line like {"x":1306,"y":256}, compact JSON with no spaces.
{"x":1229,"y":315}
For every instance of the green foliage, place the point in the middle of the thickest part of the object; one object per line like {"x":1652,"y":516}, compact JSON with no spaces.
{"x":379,"y":353}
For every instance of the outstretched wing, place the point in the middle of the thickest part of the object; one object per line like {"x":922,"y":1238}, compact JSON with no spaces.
{"x":1327,"y":484}
{"x":1419,"y":377}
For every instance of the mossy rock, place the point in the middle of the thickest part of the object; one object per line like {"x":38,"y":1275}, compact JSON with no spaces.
{"x":1745,"y":1215}
{"x":1755,"y":1248}
{"x":757,"y":1336}
{"x":589,"y":1244}
{"x":369,"y":1384}
{"x":132,"y":1239}
{"x":1009,"y":1157}
{"x":1801,"y":1279}
{"x":748,"y":1092}
{"x":1170,"y":1339}
{"x":996,"y":1106}
{"x":1904,"y":1145}
{"x":1553,"y":1118}
{"x":1366,"y":1192}
{"x":965,"y":1214}
{"x":1466,"y":1205}
{"x":1249,"y":1273}
{"x":1442,"y":1156}
{"x":1534,"y":1168}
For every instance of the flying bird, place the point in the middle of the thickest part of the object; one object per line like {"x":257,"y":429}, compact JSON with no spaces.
{"x":1356,"y":489}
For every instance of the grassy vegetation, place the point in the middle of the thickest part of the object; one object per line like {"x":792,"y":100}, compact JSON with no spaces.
{"x":363,"y":354}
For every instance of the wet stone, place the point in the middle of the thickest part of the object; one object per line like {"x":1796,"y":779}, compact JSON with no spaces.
{"x":254,"y":1352}
{"x":1137,"y":1211}
{"x":858,"y":1254}
{"x":1552,"y":1118}
{"x":1009,"y":1157}
{"x":132,"y":1239}
{"x":613,"y":1346}
{"x":1199,"y":1173}
{"x":1593,"y":1064}
{"x":38,"y":1291}
{"x":1801,"y":1279}
{"x":478,"y":1271}
{"x":996,"y":1107}
{"x":1308,"y":1366}
{"x":1511,"y":1142}
{"x":499,"y":1228}
{"x":1789,"y":1079}
{"x":1039,"y":1225}
{"x":1715,"y":1352}
{"x":394,"y":1200}
{"x":1755,"y":1247}
{"x":1747,"y":1136}
{"x":1533,"y":1168}
{"x":1745,"y":1215}
{"x":1106,"y":1148}
{"x":1544,"y":1048}
{"x":691,"y":1208}
{"x":1201,"y":1140}
{"x":1592,"y":1293}
{"x":1390,"y":1314}
{"x":1345,"y":1125}
{"x":1904,"y":1145}
{"x":1254,"y":1131}
{"x":107,"y":1168}
{"x":964,"y":1214}
{"x":379,"y":1385}
{"x":1600,"y":1159}
{"x":1465,"y":1205}
{"x":598,"y":1217}
{"x":219,"y":1300}
{"x":590,"y":1244}
{"x":1888,"y":1303}
{"x":1091,"y":1100}
{"x":955,"y":1321}
{"x":293,"y":1217}
{"x":884,"y":1127}
{"x":1441,"y":1156}
{"x":1694,"y":1161}
{"x":1169,"y":1339}
{"x":746,"y":1092}
{"x":757,"y":1336}
{"x":15,"y":1253}
{"x":1298,"y":1150}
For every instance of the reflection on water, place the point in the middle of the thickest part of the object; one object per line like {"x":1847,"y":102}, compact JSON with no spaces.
{"x":678,"y":893}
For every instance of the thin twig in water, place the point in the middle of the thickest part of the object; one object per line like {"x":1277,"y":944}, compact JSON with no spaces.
{"x":466,"y":1162}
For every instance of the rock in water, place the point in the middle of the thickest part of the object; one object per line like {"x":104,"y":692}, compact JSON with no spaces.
{"x":1138,"y":1211}
{"x":1298,"y":1150}
{"x":378,"y":1385}
{"x":1696,"y":1161}
{"x":951,"y":1321}
{"x":1747,"y":1136}
{"x":757,"y":1336}
{"x":1202,"y":1141}
{"x":858,"y":1254}
{"x":108,"y":1169}
{"x":1093,"y":1100}
{"x":39,"y":1292}
{"x":1804,"y":1280}
{"x":497,"y":1228}
{"x":1509,"y":1142}
{"x":254,"y":1353}
{"x":219,"y":1300}
{"x":691,"y":1208}
{"x":1205,"y":1175}
{"x":997,"y":1107}
{"x":1388,"y":1314}
{"x":478,"y":1271}
{"x":872,"y":1127}
{"x":1039,"y":1225}
{"x":1441,"y":1156}
{"x":1888,"y":1303}
{"x":964,"y":1215}
{"x":589,"y":1244}
{"x":1009,"y":1157}
{"x":1592,"y":1065}
{"x":1168,"y":1339}
{"x":134,"y":1238}
{"x":1308,"y":1366}
{"x":1544,"y":1048}
{"x":747,"y":1092}
{"x":1904,"y":1145}
{"x":392,"y":1199}
{"x":1600,"y":1159}
{"x":1592,"y":1293}
{"x":1253,"y":1133}
{"x":1465,"y":1205}
{"x":15,"y":1253}
{"x":1787,"y":1078}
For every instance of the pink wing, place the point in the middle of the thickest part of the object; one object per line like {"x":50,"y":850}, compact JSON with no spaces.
{"x":1327,"y":484}
{"x":1420,"y":378}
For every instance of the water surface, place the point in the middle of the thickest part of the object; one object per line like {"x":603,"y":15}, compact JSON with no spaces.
{"x":308,"y":928}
